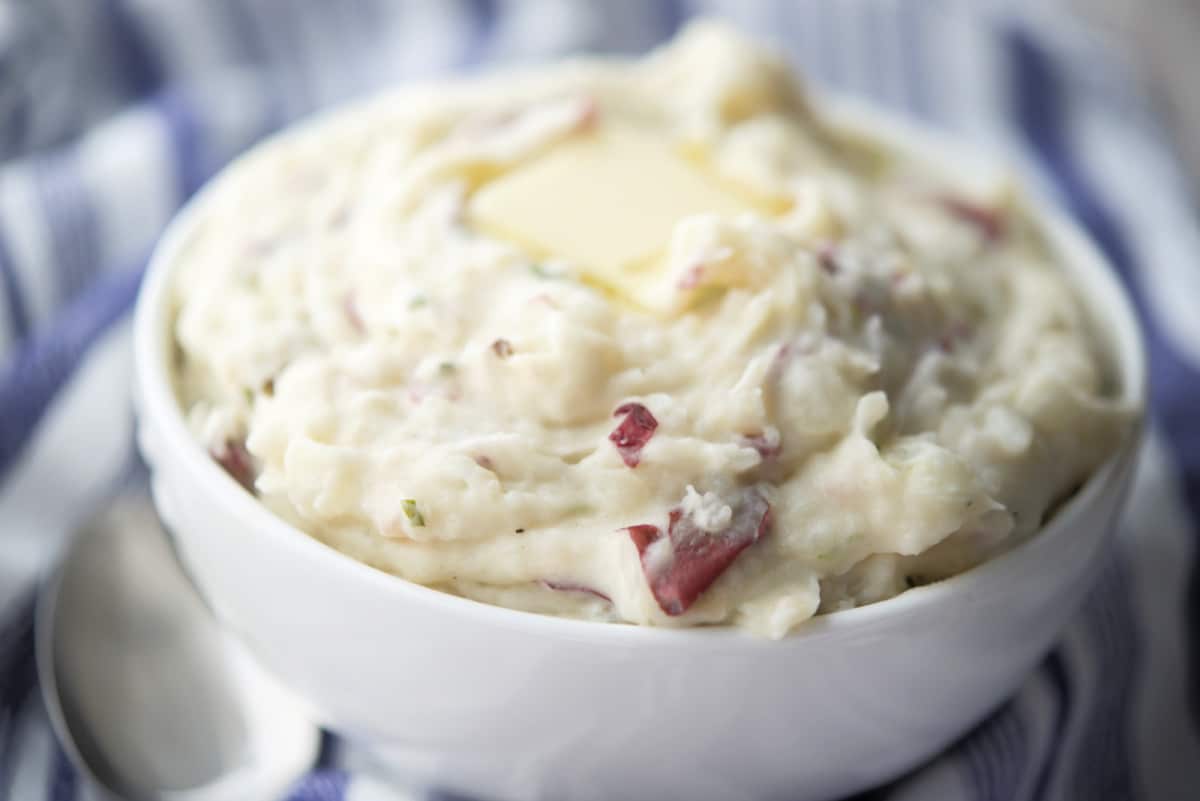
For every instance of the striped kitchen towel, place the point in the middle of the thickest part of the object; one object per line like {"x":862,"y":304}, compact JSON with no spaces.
{"x":112,"y":113}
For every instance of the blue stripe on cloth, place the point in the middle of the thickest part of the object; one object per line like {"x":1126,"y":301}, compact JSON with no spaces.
{"x":252,"y":49}
{"x":14,"y":123}
{"x":321,"y":785}
{"x":183,"y":130}
{"x":42,"y":365}
{"x":283,"y":57}
{"x":16,"y":643}
{"x":329,"y":752}
{"x":874,"y":30}
{"x":1040,"y":103}
{"x":17,"y":679}
{"x":14,"y":295}
{"x":992,"y":756}
{"x":824,"y":62}
{"x":239,"y":29}
{"x":70,"y":217}
{"x":137,"y":61}
{"x":63,"y":783}
{"x":1104,"y":769}
{"x":669,"y":16}
{"x":1056,"y":673}
{"x":482,"y":18}
{"x":913,"y":22}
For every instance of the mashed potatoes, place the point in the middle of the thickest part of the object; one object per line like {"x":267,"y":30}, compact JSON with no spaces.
{"x":644,"y":341}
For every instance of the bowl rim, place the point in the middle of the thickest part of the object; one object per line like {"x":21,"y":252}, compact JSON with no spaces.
{"x":1102,"y":295}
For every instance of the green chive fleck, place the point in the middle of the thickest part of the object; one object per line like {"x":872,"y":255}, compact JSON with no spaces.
{"x":412,"y":512}
{"x":541,"y":272}
{"x":417,"y":301}
{"x":447,"y":368}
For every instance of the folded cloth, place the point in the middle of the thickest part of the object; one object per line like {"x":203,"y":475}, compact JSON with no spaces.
{"x":112,"y":114}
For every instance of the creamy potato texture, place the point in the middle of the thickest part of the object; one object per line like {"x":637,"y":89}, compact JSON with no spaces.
{"x":649,"y":341}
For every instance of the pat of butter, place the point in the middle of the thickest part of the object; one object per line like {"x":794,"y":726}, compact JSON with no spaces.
{"x":606,"y":201}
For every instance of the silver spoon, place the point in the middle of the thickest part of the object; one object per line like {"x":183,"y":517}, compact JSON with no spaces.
{"x":151,"y":700}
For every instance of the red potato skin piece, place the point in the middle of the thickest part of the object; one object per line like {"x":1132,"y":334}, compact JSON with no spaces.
{"x":643,"y":535}
{"x":769,"y":467}
{"x":589,"y":115}
{"x":566,"y":586}
{"x":237,"y":462}
{"x":827,"y":258}
{"x":699,"y":557}
{"x":350,"y":307}
{"x":780,"y":362}
{"x":633,"y":433}
{"x":989,"y":222}
{"x":692,"y":277}
{"x":955,"y":333}
{"x":769,"y":452}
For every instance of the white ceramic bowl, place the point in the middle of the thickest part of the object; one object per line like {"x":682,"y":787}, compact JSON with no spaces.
{"x":512,"y":705}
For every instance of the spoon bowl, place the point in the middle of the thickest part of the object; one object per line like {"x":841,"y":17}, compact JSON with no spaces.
{"x":149,"y":697}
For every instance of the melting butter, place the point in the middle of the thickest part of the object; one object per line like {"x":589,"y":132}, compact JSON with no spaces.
{"x":606,"y":201}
